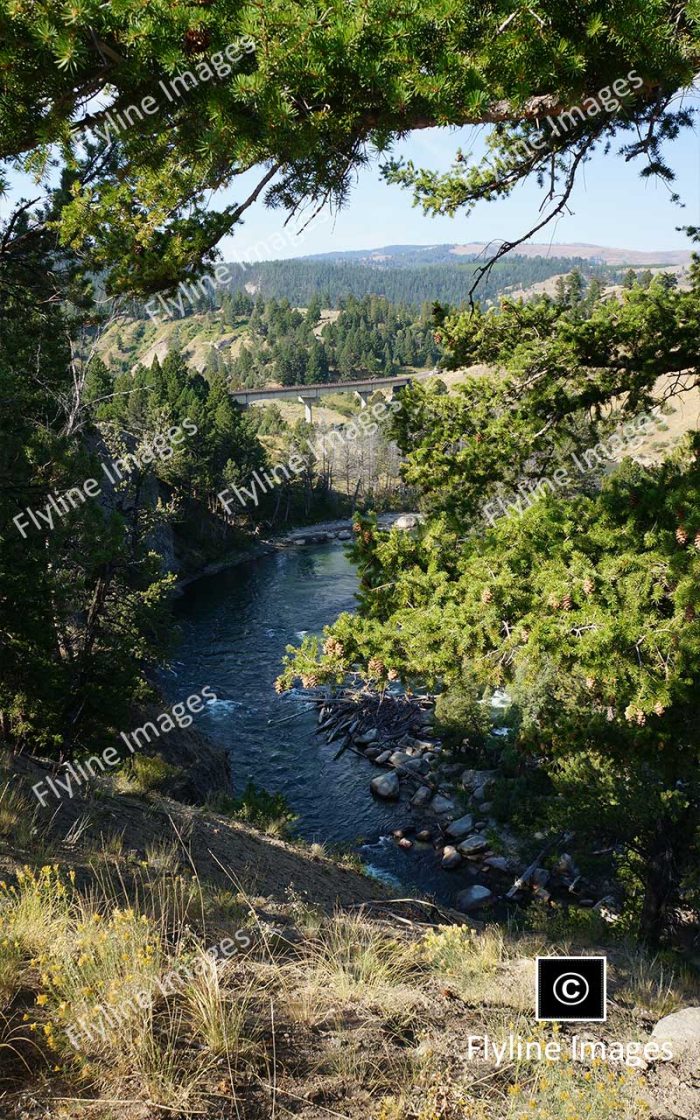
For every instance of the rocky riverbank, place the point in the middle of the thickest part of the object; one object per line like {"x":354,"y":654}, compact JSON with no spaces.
{"x":448,"y":805}
{"x":321,"y":533}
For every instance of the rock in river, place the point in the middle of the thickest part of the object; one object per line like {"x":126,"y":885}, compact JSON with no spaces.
{"x":441,"y":804}
{"x":450,"y":858}
{"x":473,"y":897}
{"x":472,"y":845}
{"x":386,"y":786}
{"x":461,"y":827}
{"x":421,"y":797}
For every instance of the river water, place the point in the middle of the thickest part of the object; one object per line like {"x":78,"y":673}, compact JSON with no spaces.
{"x":234,"y":629}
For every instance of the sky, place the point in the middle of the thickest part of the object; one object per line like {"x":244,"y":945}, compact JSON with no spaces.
{"x":610,"y":206}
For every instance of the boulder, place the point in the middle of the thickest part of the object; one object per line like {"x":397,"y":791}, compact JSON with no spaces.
{"x":425,"y":836}
{"x":452,"y":770}
{"x":386,"y":786}
{"x":497,"y":863}
{"x":442,"y":805}
{"x":398,"y":758}
{"x":373,"y":753}
{"x":383,"y":757}
{"x":461,"y":827}
{"x":477,"y":779}
{"x":344,"y":535}
{"x":539,"y":877}
{"x":408,"y":521}
{"x":473,"y":898}
{"x":405,"y":843}
{"x":367,"y":737}
{"x":472,"y":845}
{"x":416,"y":766}
{"x":681,"y":1030}
{"x":421,"y":797}
{"x":450,"y":858}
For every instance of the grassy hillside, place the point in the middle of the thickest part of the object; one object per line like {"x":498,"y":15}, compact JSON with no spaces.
{"x":335,"y":1000}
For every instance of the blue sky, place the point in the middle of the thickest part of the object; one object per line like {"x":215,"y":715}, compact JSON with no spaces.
{"x":610,"y":206}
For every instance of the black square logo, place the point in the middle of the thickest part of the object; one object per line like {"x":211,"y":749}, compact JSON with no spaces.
{"x":571,"y":989}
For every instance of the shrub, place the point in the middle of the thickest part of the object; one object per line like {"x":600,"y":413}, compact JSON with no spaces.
{"x":267,"y":811}
{"x":145,"y":773}
{"x":459,"y":715}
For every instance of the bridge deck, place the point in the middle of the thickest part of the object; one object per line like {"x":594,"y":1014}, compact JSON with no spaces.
{"x":313,"y":392}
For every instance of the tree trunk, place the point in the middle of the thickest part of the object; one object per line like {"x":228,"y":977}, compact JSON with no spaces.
{"x":662,"y":878}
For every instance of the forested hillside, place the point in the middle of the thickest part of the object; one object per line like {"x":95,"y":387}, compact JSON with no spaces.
{"x":449,"y":282}
{"x":254,"y":342}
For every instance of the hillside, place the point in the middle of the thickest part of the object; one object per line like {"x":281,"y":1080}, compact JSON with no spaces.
{"x":168,"y":961}
{"x":408,"y":256}
{"x":412,"y":278}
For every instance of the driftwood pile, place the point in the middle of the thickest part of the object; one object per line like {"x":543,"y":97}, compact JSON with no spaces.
{"x":354,"y":719}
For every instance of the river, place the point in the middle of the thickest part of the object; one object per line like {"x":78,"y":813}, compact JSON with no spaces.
{"x":234,"y":628}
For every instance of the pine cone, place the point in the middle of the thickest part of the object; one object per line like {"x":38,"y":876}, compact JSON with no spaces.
{"x":279,"y":685}
{"x":659,"y":708}
{"x":566,"y":602}
{"x":376,"y":667}
{"x":333,"y":648}
{"x":356,"y":527}
{"x":696,"y":542}
{"x":486,"y":596}
{"x":310,"y":680}
{"x":689,"y":613}
{"x":681,"y":535}
{"x":367,"y":537}
{"x":588,"y":586}
{"x":554,"y":602}
{"x":640,"y":717}
{"x":197,"y":40}
{"x":392,"y":674}
{"x":590,"y":683}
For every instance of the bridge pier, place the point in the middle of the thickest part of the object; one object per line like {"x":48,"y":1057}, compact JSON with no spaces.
{"x":307,"y":403}
{"x":362,"y":397}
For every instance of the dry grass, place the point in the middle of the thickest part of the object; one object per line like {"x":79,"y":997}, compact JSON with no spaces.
{"x":349,"y":961}
{"x":344,"y":1015}
{"x":649,"y":983}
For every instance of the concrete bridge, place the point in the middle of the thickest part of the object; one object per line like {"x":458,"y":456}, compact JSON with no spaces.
{"x":309,"y":394}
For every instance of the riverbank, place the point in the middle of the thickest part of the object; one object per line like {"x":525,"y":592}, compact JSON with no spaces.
{"x":447,"y":797}
{"x":319,"y":533}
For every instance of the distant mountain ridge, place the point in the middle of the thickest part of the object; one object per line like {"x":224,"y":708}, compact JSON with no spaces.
{"x":409,"y":256}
